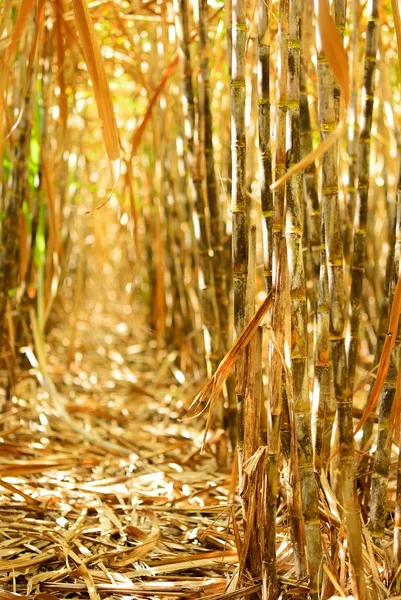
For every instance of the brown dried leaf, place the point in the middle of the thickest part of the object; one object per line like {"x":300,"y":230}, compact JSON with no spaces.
{"x":384,"y":358}
{"x":94,"y":62}
{"x":333,"y":47}
{"x":210,"y":392}
{"x":11,"y":596}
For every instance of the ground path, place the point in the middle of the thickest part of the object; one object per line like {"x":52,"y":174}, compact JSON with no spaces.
{"x":113,"y":499}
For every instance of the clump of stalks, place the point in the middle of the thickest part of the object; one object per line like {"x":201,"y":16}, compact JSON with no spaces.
{"x":318,"y":288}
{"x":193,"y":133}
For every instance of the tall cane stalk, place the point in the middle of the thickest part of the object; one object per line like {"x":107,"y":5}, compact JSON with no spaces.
{"x":238,"y":193}
{"x":361,"y":212}
{"x":346,"y":491}
{"x":299,"y":344}
{"x":265,"y":158}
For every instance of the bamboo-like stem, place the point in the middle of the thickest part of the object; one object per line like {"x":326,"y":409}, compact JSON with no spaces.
{"x":244,"y":367}
{"x":213,"y":202}
{"x":238,"y":152}
{"x":16,"y":192}
{"x":253,"y":392}
{"x":353,"y":130}
{"x":184,"y":238}
{"x":182,"y":28}
{"x":216,"y":223}
{"x":238,"y":189}
{"x":328,"y":114}
{"x":323,"y":398}
{"x":252,"y":108}
{"x":281,"y":306}
{"x":310,"y":179}
{"x":290,"y":465}
{"x":361,"y":213}
{"x":251,"y":442}
{"x":339,"y":11}
{"x":280,"y":284}
{"x":265,"y":158}
{"x":281,"y":120}
{"x":381,"y":331}
{"x":175,"y":255}
{"x":299,"y":343}
{"x":381,"y":465}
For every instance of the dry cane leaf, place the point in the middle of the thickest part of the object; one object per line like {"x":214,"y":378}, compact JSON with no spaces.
{"x":312,"y":156}
{"x":94,"y":62}
{"x":11,"y":596}
{"x":333,"y":47}
{"x":22,"y":19}
{"x":20,"y":25}
{"x":210,"y":392}
{"x":384,"y":358}
{"x":83,"y":572}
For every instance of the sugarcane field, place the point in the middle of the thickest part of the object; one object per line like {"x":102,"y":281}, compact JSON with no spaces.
{"x":200,"y":298}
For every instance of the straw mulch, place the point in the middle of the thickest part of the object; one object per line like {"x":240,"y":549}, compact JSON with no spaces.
{"x":104,"y":490}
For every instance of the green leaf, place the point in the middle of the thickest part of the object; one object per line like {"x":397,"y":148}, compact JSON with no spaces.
{"x":40,"y":240}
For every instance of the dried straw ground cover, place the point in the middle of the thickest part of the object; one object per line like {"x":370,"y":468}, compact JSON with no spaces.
{"x":115,"y":499}
{"x":104,"y":490}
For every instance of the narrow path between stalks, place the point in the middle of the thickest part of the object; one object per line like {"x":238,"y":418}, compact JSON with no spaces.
{"x":118,"y":500}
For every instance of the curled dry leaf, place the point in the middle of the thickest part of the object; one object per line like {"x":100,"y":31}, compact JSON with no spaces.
{"x":210,"y":392}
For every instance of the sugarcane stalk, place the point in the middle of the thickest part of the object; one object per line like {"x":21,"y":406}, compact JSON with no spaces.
{"x":216,"y":223}
{"x":323,"y":394}
{"x":281,"y":121}
{"x":339,"y":13}
{"x":381,"y":465}
{"x":244,"y":385}
{"x":281,"y":308}
{"x":397,"y":524}
{"x":16,"y":192}
{"x":279,"y":321}
{"x":238,"y":146}
{"x":280,"y":284}
{"x":299,"y":344}
{"x":238,"y":189}
{"x":381,"y":335}
{"x":361,"y":212}
{"x":328,"y":114}
{"x":265,"y":159}
{"x":353,"y":131}
{"x":310,"y":180}
{"x":251,"y":492}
